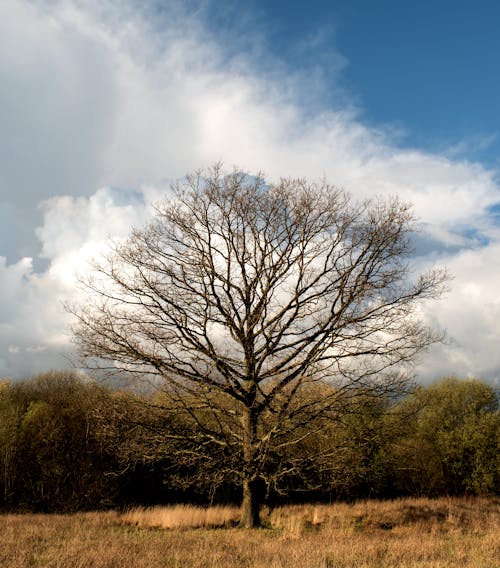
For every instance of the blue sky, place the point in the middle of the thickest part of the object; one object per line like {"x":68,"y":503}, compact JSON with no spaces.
{"x":430,"y":69}
{"x":104,"y":102}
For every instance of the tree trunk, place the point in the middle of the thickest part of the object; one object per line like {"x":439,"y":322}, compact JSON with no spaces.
{"x":250,"y":506}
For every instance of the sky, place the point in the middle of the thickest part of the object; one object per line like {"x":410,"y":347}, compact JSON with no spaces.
{"x":104,"y":103}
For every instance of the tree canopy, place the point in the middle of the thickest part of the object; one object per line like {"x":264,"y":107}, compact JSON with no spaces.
{"x":257,"y":308}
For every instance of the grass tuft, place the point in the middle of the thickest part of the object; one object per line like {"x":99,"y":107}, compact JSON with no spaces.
{"x":182,"y":517}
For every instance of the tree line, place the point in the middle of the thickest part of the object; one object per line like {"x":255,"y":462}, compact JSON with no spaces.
{"x":68,"y":443}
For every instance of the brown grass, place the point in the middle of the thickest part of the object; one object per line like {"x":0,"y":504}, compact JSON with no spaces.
{"x":404,"y":533}
{"x":182,"y":517}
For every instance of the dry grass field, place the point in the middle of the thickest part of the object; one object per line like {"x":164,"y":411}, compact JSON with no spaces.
{"x":405,"y":533}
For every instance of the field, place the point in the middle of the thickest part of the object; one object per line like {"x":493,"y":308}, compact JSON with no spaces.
{"x":405,"y":533}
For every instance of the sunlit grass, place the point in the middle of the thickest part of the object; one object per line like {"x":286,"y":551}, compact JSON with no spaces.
{"x":182,"y":516}
{"x":409,"y":533}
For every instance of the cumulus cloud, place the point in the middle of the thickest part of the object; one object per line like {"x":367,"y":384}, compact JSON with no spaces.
{"x":119,"y":95}
{"x":33,"y":331}
{"x":470,"y":313}
{"x":34,"y":326}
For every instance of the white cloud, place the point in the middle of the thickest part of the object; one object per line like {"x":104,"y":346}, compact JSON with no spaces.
{"x":32,"y":320}
{"x":470,"y":313}
{"x":34,"y":326}
{"x":95,"y":94}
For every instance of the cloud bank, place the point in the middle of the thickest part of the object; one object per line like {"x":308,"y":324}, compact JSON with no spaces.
{"x":103,"y":103}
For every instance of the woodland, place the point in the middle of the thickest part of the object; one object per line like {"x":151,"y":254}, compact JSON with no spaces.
{"x":68,"y":443}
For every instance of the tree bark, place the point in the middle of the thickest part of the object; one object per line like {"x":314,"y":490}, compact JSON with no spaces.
{"x":250,"y":506}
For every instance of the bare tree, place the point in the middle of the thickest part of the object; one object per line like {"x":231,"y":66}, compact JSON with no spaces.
{"x":256,"y":307}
